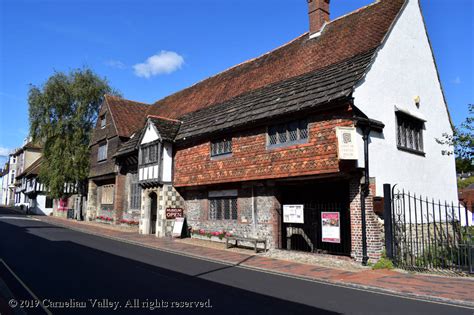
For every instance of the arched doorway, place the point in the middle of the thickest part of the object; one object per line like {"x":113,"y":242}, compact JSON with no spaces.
{"x":153,"y":212}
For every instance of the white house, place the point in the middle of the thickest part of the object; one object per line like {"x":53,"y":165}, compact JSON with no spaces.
{"x":4,"y":185}
{"x":402,"y":89}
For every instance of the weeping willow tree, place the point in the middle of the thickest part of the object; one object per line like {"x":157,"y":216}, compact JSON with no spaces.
{"x":62,"y":114}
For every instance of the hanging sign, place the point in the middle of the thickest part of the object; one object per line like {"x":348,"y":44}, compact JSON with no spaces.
{"x":173,"y":213}
{"x":346,"y":143}
{"x":331,"y":227}
{"x":293,"y":214}
{"x":178,"y":227}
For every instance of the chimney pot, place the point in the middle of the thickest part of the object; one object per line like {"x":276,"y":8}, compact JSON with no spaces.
{"x":318,"y":11}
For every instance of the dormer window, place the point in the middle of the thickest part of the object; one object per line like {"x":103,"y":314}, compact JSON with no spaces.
{"x":103,"y":121}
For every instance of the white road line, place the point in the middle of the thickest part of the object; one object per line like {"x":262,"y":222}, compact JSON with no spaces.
{"x":15,"y":218}
{"x":25,"y":286}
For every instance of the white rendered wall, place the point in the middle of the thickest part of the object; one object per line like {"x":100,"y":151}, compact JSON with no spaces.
{"x":40,"y":207}
{"x":2,"y":178}
{"x":404,"y":68}
{"x":167,"y":162}
{"x":150,"y":135}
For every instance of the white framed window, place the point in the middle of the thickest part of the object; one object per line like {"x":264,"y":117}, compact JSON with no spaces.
{"x":107,"y":195}
{"x":102,"y":152}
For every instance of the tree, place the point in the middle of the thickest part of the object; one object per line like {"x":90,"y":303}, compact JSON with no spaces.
{"x":62,"y":114}
{"x":462,"y":142}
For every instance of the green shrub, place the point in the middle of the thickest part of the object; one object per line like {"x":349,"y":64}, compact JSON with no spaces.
{"x":465,"y":182}
{"x":383,"y":263}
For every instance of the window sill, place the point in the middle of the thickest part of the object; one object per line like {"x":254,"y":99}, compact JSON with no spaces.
{"x":420,"y":153}
{"x":221,"y":157}
{"x":287,"y":144}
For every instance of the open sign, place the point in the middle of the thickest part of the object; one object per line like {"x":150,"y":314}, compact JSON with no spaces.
{"x":173,"y":213}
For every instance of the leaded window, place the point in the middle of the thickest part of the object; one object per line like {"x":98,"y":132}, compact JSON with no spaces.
{"x":135,"y":193}
{"x":150,"y":154}
{"x":221,"y":147}
{"x":288,"y":133}
{"x":409,"y":133}
{"x":223,"y":208}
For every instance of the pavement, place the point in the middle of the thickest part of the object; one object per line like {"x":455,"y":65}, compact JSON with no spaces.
{"x":59,"y":260}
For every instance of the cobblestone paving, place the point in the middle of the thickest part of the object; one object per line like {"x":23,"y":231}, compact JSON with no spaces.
{"x":454,"y":290}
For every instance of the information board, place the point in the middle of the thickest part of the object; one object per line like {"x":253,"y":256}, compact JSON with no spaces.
{"x":293,"y":214}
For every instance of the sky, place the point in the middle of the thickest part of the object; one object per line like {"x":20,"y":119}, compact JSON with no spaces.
{"x":150,"y":49}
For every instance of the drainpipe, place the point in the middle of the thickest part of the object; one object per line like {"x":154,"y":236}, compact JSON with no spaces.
{"x":254,"y":216}
{"x":364,"y":193}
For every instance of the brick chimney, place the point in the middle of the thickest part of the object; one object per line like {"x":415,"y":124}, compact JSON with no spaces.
{"x":318,"y":11}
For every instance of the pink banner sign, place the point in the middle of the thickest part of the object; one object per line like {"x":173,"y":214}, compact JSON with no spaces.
{"x":331,"y":227}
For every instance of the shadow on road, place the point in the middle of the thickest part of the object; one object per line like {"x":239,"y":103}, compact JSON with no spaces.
{"x":61,"y":270}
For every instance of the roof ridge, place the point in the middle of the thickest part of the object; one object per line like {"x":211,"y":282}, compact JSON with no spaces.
{"x":164,"y":118}
{"x":355,"y":11}
{"x":126,"y":99}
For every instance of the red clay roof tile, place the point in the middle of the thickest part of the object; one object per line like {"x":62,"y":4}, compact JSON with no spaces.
{"x":128,"y":116}
{"x":341,"y":39}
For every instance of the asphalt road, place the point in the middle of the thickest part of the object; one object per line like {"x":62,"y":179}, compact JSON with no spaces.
{"x":58,"y":266}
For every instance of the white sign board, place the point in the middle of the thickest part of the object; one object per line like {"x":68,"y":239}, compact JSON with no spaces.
{"x":178,"y":227}
{"x":293,"y":213}
{"x":346,"y":143}
{"x":331,"y":227}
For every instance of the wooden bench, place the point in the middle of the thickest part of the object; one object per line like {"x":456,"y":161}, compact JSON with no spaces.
{"x":255,"y":241}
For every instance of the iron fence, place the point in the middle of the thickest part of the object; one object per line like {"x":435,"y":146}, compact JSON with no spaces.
{"x":423,"y":233}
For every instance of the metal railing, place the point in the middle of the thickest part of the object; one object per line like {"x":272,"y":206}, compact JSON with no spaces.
{"x":424,"y":234}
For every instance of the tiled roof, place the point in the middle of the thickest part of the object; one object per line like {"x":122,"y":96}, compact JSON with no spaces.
{"x":168,"y":129}
{"x":341,"y":39}
{"x":130,"y":146}
{"x":301,"y":93}
{"x":128,"y":116}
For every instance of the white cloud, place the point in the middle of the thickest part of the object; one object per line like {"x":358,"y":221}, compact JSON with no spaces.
{"x":165,"y":62}
{"x":5,"y":151}
{"x":457,"y":80}
{"x":115,"y":64}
